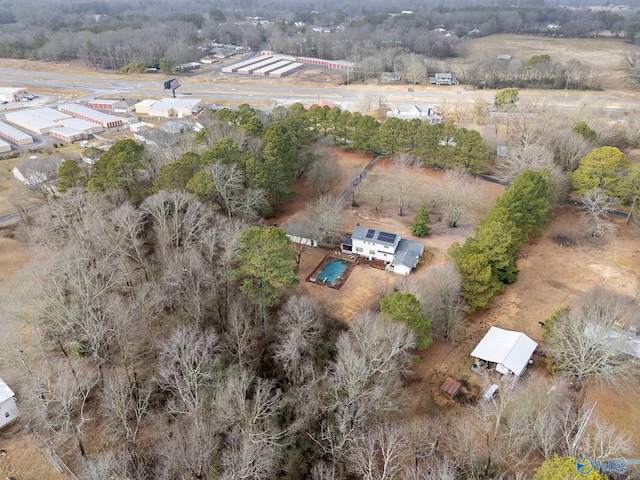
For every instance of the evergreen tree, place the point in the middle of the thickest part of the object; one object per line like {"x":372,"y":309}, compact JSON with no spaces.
{"x":421,"y":225}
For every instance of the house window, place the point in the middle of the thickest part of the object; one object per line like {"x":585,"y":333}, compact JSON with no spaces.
{"x":359,"y":249}
{"x":372,"y":252}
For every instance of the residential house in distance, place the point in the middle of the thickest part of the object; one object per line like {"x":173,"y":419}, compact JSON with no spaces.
{"x":429,"y":115}
{"x":443,"y":79}
{"x":9,"y":412}
{"x":400,"y":254}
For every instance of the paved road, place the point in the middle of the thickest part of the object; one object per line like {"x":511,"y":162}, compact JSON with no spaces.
{"x":15,"y":215}
{"x":345,"y":96}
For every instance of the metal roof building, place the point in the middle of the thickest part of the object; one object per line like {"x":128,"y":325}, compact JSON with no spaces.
{"x":93,"y":116}
{"x":234,"y":67}
{"x":286,"y":70}
{"x":14,"y":135}
{"x":34,"y":123}
{"x":4,"y":147}
{"x":67,"y":134}
{"x":509,"y":350}
{"x":256,"y":66}
{"x":269,"y":68}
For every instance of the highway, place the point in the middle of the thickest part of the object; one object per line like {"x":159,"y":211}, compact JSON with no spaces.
{"x":221,"y":88}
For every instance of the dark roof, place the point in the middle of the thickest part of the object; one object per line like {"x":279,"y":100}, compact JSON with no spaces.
{"x":376,"y":236}
{"x":408,"y":252}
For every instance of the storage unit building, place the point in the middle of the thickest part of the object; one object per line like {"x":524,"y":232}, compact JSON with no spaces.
{"x":28,"y":121}
{"x":68,"y":134}
{"x":85,"y":113}
{"x":256,"y":66}
{"x":81,"y":125}
{"x":14,"y":135}
{"x":288,"y":70}
{"x":269,"y":68}
{"x":104,"y":105}
{"x":4,"y":147}
{"x":233,"y":68}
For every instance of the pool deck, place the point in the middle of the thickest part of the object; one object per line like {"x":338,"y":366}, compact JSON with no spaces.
{"x":351,"y":260}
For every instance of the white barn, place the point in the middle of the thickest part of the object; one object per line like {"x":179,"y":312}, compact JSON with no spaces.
{"x":9,"y":412}
{"x":510,"y":351}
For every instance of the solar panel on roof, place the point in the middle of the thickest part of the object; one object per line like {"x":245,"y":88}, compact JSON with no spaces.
{"x":387,"y":237}
{"x":371,"y":233}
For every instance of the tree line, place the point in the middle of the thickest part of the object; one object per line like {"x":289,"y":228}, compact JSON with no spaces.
{"x":114,"y":35}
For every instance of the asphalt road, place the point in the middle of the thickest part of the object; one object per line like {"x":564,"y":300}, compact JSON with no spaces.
{"x":272,"y":91}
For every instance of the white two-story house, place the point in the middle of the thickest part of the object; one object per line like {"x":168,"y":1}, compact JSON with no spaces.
{"x":400,"y":254}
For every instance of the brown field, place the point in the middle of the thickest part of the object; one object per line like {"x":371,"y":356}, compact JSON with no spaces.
{"x":551,"y":276}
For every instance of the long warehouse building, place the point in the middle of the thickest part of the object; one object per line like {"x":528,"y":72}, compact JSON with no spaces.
{"x":256,"y":66}
{"x":14,"y":135}
{"x":4,"y":147}
{"x":288,"y":70}
{"x":233,"y":68}
{"x":28,"y":121}
{"x":93,"y":116}
{"x":270,"y":68}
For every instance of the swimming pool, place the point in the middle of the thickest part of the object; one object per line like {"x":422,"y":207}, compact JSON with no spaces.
{"x":332,"y":270}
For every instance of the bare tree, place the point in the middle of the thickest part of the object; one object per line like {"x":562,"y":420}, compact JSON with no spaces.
{"x":301,"y":325}
{"x":365,"y":381}
{"x":376,"y":189}
{"x":404,"y":172}
{"x":61,"y":399}
{"x":125,"y":408}
{"x":322,"y":175}
{"x":325,"y":213}
{"x":439,"y":290}
{"x":187,"y":358}
{"x":230,"y":191}
{"x":380,"y":453}
{"x":243,"y":336}
{"x":586,"y":343}
{"x":568,"y":148}
{"x":178,"y":219}
{"x":596,"y":208}
{"x":457,"y":194}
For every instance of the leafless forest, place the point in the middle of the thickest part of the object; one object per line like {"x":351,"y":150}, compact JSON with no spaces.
{"x":134,"y":36}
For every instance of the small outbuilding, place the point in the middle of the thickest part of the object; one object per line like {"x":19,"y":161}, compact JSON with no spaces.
{"x":9,"y":412}
{"x":509,"y":351}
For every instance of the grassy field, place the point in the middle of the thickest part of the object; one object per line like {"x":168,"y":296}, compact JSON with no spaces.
{"x":605,"y":55}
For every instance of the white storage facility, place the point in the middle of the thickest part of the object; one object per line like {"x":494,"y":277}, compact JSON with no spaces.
{"x":68,"y":134}
{"x":4,"y":147}
{"x":234,"y":67}
{"x":34,"y":123}
{"x":14,"y":135}
{"x":256,"y":66}
{"x":269,"y":68}
{"x":93,"y":116}
{"x":287,"y":70}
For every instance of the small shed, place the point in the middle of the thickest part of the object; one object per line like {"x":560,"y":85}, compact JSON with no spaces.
{"x":510,"y":351}
{"x":450,"y":386}
{"x":9,"y":412}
